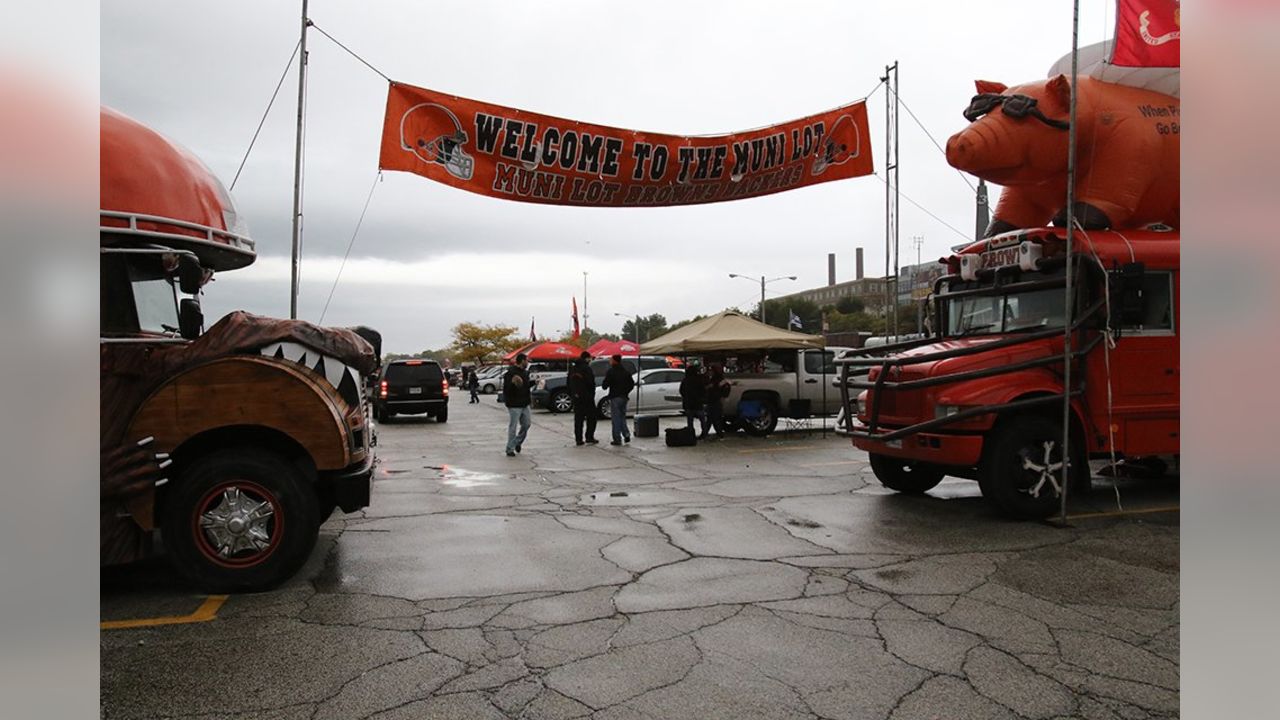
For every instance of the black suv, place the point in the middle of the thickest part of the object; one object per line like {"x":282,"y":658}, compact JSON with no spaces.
{"x":410,"y":387}
{"x":553,"y":393}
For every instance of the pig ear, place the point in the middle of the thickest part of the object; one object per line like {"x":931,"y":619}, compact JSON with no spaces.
{"x":987,"y":86}
{"x":1059,"y":87}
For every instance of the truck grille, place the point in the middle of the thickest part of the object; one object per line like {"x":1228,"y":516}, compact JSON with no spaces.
{"x":899,"y":407}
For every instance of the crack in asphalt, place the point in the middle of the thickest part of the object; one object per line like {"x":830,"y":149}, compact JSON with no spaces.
{"x":493,"y":643}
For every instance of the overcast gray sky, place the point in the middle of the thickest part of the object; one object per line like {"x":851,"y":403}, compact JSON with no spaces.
{"x":429,"y":256}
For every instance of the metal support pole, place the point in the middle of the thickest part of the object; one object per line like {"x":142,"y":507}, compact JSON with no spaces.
{"x":639,"y":367}
{"x":584,"y":300}
{"x":297,"y":168}
{"x":983,"y":213}
{"x":1070,"y":289}
{"x":891,"y":199}
{"x":762,"y":299}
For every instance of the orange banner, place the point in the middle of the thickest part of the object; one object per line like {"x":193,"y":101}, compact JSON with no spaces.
{"x":507,"y":153}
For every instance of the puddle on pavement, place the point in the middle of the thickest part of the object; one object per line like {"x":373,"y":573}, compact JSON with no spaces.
{"x":463,"y":478}
{"x":632,"y":497}
{"x":793,"y":522}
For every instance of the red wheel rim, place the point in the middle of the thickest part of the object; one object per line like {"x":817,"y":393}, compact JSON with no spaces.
{"x":238,"y":524}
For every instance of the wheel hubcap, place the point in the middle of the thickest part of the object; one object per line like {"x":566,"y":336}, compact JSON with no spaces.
{"x":238,"y":523}
{"x":1042,"y":468}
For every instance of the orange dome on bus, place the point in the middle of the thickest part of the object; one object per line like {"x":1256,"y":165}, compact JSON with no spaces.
{"x":155,"y":192}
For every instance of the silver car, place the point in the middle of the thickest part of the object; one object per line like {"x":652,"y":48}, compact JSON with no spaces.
{"x":657,"y":392}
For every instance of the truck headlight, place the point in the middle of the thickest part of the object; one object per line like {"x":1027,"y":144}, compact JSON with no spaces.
{"x":944,"y":411}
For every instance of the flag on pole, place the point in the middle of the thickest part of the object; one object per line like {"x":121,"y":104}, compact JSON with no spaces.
{"x":794,"y":321}
{"x":532,"y":336}
{"x":576,"y":329}
{"x":1148,"y":33}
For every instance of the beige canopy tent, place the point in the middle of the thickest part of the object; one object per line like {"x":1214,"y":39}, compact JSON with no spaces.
{"x":728,"y":331}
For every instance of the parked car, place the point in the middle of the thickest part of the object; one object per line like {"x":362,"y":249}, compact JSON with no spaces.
{"x":552,"y":391}
{"x":490,"y":378}
{"x":408,"y":387}
{"x":657,"y":391}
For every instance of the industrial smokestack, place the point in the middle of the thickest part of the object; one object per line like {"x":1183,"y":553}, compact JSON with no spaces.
{"x":858,"y":262}
{"x":831,"y":269}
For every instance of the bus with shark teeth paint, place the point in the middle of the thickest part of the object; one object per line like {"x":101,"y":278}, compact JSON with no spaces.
{"x":232,"y":443}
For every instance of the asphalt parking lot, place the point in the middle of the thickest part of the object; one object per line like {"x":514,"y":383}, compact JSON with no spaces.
{"x":742,"y":578}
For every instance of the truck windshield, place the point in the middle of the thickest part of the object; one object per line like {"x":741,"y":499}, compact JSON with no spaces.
{"x":157,"y":304}
{"x":995,"y":314}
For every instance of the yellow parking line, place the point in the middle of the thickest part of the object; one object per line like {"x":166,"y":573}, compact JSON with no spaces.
{"x":1122,"y":513}
{"x":207,"y":611}
{"x":830,"y":464}
{"x":777,"y":449}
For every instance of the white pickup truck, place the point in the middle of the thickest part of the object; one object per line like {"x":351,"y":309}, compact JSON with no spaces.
{"x":763,"y":392}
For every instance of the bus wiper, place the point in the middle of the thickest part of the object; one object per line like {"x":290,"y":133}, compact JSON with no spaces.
{"x":973,"y":329}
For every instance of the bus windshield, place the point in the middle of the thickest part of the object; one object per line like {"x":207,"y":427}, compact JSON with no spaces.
{"x":996,"y":314}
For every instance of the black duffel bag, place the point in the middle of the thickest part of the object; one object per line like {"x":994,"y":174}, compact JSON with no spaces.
{"x":681,"y":437}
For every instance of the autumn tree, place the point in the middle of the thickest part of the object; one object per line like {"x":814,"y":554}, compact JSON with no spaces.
{"x":482,"y":344}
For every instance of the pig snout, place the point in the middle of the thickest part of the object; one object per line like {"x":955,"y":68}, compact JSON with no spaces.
{"x":963,"y":149}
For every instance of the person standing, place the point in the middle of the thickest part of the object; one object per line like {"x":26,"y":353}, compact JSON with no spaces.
{"x":717,"y":391}
{"x":619,"y":383}
{"x":582,"y":388}
{"x":515,"y":392}
{"x":473,"y":384}
{"x":693,"y":395}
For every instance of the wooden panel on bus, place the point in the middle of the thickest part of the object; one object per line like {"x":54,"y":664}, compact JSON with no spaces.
{"x":248,"y":391}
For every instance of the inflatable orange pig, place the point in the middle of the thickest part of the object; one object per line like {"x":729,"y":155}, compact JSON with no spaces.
{"x":1127,"y":153}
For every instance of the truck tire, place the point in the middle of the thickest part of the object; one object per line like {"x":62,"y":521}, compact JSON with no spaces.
{"x":1018,"y":474}
{"x":904,"y":476}
{"x":602,"y":407}
{"x":442,"y":415}
{"x":240,"y":520}
{"x":560,"y":401}
{"x":762,"y":424}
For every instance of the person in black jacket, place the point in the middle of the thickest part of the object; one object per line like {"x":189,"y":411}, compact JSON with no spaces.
{"x":693,"y":394}
{"x":473,"y":384}
{"x":515,"y":391}
{"x":582,"y":388}
{"x":717,"y":391}
{"x":619,"y":384}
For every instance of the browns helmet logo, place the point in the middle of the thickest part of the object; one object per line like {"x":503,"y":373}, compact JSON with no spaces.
{"x":842,"y":144}
{"x":432,"y":132}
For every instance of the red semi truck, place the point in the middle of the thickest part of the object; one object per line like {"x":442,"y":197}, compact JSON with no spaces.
{"x":982,"y":396}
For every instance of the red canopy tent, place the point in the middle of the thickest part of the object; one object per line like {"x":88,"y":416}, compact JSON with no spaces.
{"x":605,"y":348}
{"x":545,"y":351}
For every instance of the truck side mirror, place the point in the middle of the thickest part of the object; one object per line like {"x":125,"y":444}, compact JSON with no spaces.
{"x":190,"y":318}
{"x":1127,"y":302}
{"x":190,"y":274}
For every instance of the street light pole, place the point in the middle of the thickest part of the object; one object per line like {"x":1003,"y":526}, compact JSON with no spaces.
{"x":762,"y":322}
{"x":763,"y":281}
